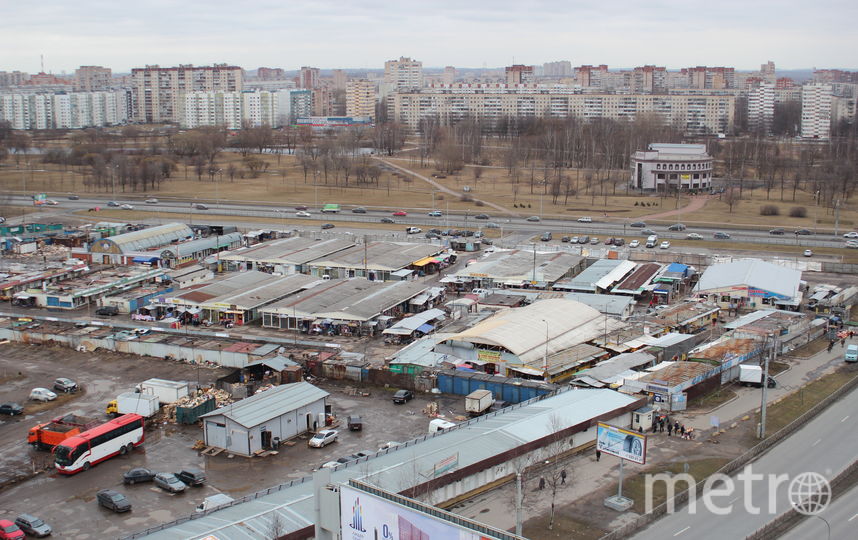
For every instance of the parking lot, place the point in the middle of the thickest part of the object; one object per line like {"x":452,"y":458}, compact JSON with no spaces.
{"x":68,"y":503}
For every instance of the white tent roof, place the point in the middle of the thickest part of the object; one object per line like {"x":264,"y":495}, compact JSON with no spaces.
{"x":752,"y":273}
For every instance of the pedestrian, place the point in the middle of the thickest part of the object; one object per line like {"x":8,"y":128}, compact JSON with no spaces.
{"x":541,"y":483}
{"x":598,"y":454}
{"x":851,"y":333}
{"x":640,"y":429}
{"x":676,"y":427}
{"x":830,"y":345}
{"x":842,"y":342}
{"x":682,"y":430}
{"x":669,"y":429}
{"x":661,"y":425}
{"x":563,"y":477}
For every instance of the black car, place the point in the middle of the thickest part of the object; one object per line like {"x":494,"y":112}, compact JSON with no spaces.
{"x":137,"y":475}
{"x":721,"y":236}
{"x":359,"y":210}
{"x":648,"y":232}
{"x":466,"y":233}
{"x":387,"y":220}
{"x":778,"y":232}
{"x":113,"y":204}
{"x":638,"y":225}
{"x":546,"y":237}
{"x":402,"y":396}
{"x":803,"y":232}
{"x":328,"y":226}
{"x":481,"y":216}
{"x":11,"y":409}
{"x":113,"y":500}
{"x":432,"y":235}
{"x":676,"y":227}
{"x":355,"y":423}
{"x":565,"y":239}
{"x":64,"y":384}
{"x":584,"y":239}
{"x":435,"y":231}
{"x":486,"y":241}
{"x":619,"y":242}
{"x":107,"y":311}
{"x":192,"y":477}
{"x":33,"y":525}
{"x":74,"y":198}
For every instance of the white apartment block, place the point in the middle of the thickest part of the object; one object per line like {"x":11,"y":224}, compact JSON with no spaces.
{"x":360,"y":98}
{"x":92,"y":78}
{"x":816,"y":111}
{"x":235,"y":110}
{"x":697,"y":114}
{"x":403,"y":74}
{"x":73,"y":110}
{"x":158,"y":92}
{"x":761,"y":107}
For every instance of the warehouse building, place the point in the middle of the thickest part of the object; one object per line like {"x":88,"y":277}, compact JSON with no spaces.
{"x":283,"y":256}
{"x":195,"y":250}
{"x":750,"y":284}
{"x":518,"y":268}
{"x":123,"y":248}
{"x":252,"y":425}
{"x":621,"y":307}
{"x":599,"y":277}
{"x":375,"y":261}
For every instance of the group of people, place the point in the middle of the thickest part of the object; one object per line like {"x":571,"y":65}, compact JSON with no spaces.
{"x":843,"y":335}
{"x":672,"y":428}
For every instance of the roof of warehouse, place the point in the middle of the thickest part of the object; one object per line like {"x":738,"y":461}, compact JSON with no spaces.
{"x":752,"y":273}
{"x":402,"y":467}
{"x":618,"y":364}
{"x":188,"y":248}
{"x":524,"y":331}
{"x":606,"y":303}
{"x":151,"y":237}
{"x":596,"y":274}
{"x":270,"y":404}
{"x":384,"y":256}
{"x":245,"y":289}
{"x":295,"y":250}
{"x":519,"y":266}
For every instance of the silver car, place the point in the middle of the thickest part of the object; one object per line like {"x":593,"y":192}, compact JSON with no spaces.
{"x":169,"y":482}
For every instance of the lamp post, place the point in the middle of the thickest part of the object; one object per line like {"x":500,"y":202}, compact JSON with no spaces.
{"x":545,"y":354}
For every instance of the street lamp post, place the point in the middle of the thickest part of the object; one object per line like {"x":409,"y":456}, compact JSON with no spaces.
{"x":545,"y":354}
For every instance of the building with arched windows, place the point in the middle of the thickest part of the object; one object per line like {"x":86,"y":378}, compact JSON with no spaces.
{"x":672,"y":166}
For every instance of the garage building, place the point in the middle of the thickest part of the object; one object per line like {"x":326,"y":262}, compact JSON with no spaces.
{"x":249,"y":426}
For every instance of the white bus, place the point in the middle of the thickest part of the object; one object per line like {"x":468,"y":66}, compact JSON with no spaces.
{"x":118,"y":436}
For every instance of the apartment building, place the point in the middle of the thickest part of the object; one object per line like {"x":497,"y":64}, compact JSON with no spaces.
{"x":449,"y":76}
{"x":519,"y":74}
{"x":561,"y":68}
{"x":360,"y":98}
{"x":157,"y":93}
{"x":714,"y":78}
{"x":648,"y":80}
{"x":234,"y":110}
{"x":92,"y":78}
{"x":816,"y":111}
{"x":761,"y":107}
{"x":340,"y":78}
{"x":270,"y":74}
{"x":403,"y":74}
{"x":67,"y":110}
{"x":13,"y":78}
{"x":308,"y":78}
{"x":697,"y":114}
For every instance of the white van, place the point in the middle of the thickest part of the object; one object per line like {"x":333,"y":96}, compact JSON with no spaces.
{"x":652,"y":241}
{"x":214,"y":501}
{"x":439,"y":424}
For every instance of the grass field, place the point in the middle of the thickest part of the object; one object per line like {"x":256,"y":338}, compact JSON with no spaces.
{"x":635,"y":487}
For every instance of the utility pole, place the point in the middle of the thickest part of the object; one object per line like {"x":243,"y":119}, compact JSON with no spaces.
{"x":837,"y":218}
{"x":765,"y":383}
{"x":533,"y":278}
{"x":518,"y":512}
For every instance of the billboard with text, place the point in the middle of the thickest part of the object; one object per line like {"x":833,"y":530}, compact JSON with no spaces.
{"x":622,"y":443}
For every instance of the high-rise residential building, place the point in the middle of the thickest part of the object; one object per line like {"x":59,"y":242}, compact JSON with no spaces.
{"x":308,"y":78}
{"x":519,"y":74}
{"x":13,"y":78}
{"x":340,"y":79}
{"x":834,"y":76}
{"x":158,"y":92}
{"x":767,"y":72}
{"x":761,"y":107}
{"x":68,"y":110}
{"x":235,"y":110}
{"x":403,"y":74}
{"x":92,"y":78}
{"x":449,"y":76}
{"x":561,"y":68}
{"x":648,"y":80}
{"x":45,"y":79}
{"x":711,"y":78}
{"x":323,"y":100}
{"x":270,"y":74}
{"x":816,"y":111}
{"x":590,"y":76}
{"x":360,"y":98}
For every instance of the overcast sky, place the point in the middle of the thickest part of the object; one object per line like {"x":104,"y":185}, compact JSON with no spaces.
{"x":465,"y":33}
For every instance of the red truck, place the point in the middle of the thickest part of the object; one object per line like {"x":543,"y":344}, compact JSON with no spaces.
{"x":46,"y":436}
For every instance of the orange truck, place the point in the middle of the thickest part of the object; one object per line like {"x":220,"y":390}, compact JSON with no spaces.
{"x":46,"y":436}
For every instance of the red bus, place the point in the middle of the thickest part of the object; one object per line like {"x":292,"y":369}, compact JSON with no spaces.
{"x":118,"y":436}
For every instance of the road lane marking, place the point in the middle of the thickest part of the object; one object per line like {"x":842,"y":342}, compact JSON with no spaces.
{"x":844,"y":418}
{"x":682,"y":531}
{"x":853,"y":517}
{"x":817,"y":442}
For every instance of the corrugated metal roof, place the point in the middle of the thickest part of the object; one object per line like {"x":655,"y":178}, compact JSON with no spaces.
{"x":394,"y":470}
{"x":270,"y":404}
{"x":752,"y":273}
{"x":586,"y":280}
{"x":194,"y":246}
{"x":152,"y":237}
{"x":520,"y":266}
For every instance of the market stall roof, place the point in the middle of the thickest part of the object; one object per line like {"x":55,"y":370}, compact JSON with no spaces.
{"x":278,"y":363}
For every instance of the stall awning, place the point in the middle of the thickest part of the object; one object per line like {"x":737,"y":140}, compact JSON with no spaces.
{"x":144,"y":259}
{"x":426,"y":328}
{"x":419,"y":299}
{"x":424,"y":261}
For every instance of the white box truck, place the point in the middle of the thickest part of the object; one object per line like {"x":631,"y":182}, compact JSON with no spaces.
{"x":478,"y":402}
{"x":146,"y":405}
{"x":439,"y":424}
{"x":167,"y":391}
{"x":753,"y":376}
{"x":214,"y":501}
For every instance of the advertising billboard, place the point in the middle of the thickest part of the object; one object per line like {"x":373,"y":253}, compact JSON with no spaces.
{"x":364,"y":516}
{"x":622,"y":443}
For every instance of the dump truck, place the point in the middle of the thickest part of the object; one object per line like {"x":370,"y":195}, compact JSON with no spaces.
{"x":146,"y":405}
{"x":46,"y":436}
{"x":478,"y":402}
{"x":167,"y":391}
{"x":753,"y":376}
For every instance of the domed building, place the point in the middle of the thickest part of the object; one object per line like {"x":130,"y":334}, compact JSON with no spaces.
{"x":671,"y":166}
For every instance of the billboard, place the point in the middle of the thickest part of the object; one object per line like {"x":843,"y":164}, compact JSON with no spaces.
{"x":364,"y":516}
{"x":623,"y":443}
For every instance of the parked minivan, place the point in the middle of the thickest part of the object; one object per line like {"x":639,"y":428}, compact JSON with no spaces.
{"x":652,"y":241}
{"x":851,"y":353}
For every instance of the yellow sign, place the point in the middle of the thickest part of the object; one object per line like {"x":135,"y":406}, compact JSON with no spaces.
{"x":685,"y":176}
{"x":489,"y":356}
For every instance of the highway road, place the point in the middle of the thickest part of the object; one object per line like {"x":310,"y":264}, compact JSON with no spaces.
{"x":603,"y":228}
{"x":841,"y":515}
{"x":825,"y":445}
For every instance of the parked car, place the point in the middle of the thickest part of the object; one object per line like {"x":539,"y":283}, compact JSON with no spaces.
{"x":565,"y":239}
{"x":10,"y":531}
{"x":609,"y":241}
{"x":486,"y":241}
{"x":113,"y":204}
{"x":803,"y":232}
{"x":693,"y":236}
{"x":113,"y":500}
{"x":323,"y":438}
{"x":594,"y":241}
{"x":432,"y":235}
{"x":137,"y":475}
{"x":413,"y":230}
{"x":778,"y":232}
{"x":153,"y":200}
{"x":32,"y":525}
{"x":435,"y":213}
{"x":638,"y":225}
{"x":387,"y":220}
{"x":64,"y":384}
{"x":192,"y":477}
{"x":330,"y":465}
{"x":664,"y":245}
{"x":721,"y":236}
{"x":403,"y":396}
{"x":327,"y":226}
{"x":677,"y":227}
{"x":481,"y":216}
{"x":127,"y":207}
{"x":634,"y":243}
{"x":169,"y":482}
{"x":534,"y":219}
{"x":808,"y":253}
{"x":42,"y":394}
{"x":584,"y":239}
{"x":107,"y":311}
{"x":2,"y":219}
{"x":11,"y":408}
{"x":619,"y":242}
{"x":74,"y":198}
{"x":301,"y":208}
{"x":355,"y":423}
{"x":546,"y":237}
{"x":359,"y":210}
{"x":573,"y":240}
{"x":400,"y":213}
{"x":201,"y":206}
{"x":852,"y":234}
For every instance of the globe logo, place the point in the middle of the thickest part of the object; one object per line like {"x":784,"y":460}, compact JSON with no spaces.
{"x":809,"y":493}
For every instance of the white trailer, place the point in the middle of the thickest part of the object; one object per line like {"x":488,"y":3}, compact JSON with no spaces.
{"x":753,"y":376}
{"x":478,"y":402}
{"x":167,"y":391}
{"x":146,"y":405}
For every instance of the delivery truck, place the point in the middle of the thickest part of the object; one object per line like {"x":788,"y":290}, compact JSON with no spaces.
{"x":214,"y":501}
{"x":46,"y":436}
{"x":753,"y":376}
{"x":478,"y":402}
{"x":146,"y":405}
{"x":167,"y":391}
